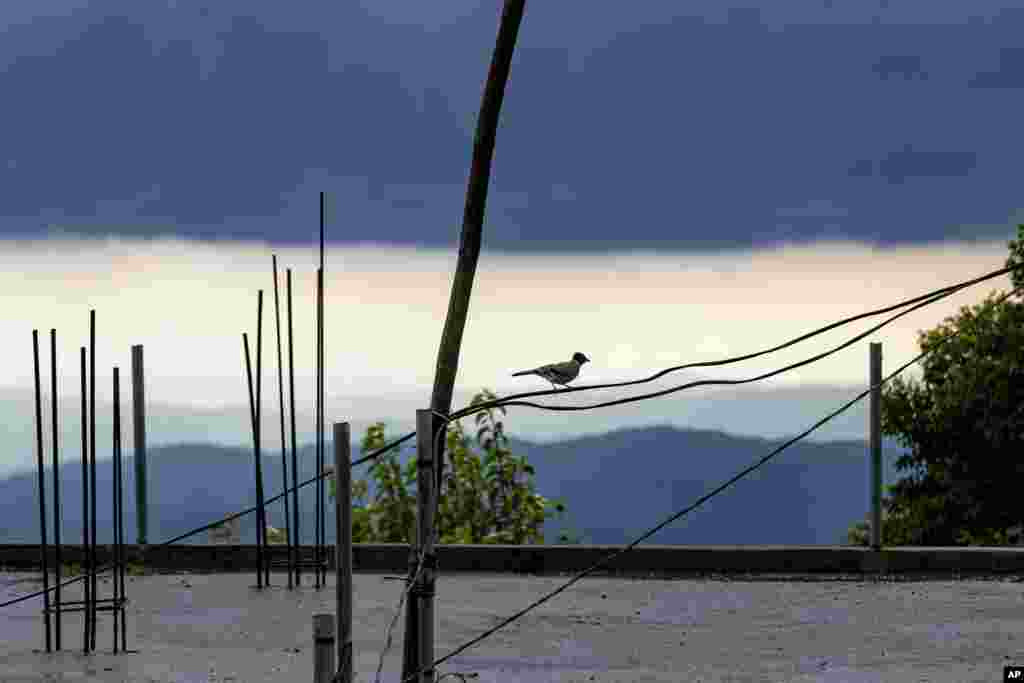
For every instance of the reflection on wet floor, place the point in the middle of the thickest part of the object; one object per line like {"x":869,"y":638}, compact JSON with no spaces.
{"x":201,"y":616}
{"x":19,"y":622}
{"x":573,"y":656}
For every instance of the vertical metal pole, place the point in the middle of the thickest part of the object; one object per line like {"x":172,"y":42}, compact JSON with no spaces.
{"x":323,"y":648}
{"x":320,"y":402}
{"x":255,"y":447}
{"x":320,"y":395}
{"x":284,"y":461}
{"x":139,"y":431}
{"x":343,"y":547}
{"x":119,"y":568}
{"x":116,"y":475}
{"x":42,"y":493}
{"x":876,"y":445}
{"x":56,"y":477}
{"x":319,"y":467}
{"x":92,"y":473}
{"x":295,"y":465}
{"x":85,"y":510}
{"x":426,"y":476}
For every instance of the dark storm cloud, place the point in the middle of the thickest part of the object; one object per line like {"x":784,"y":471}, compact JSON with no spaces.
{"x":900,"y":165}
{"x":862,"y":168}
{"x":913,"y":163}
{"x":656,"y":132}
{"x":1009,"y":74}
{"x":121,"y":120}
{"x":905,"y":66}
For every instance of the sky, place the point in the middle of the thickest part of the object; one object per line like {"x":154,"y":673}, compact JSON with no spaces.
{"x":671,"y":184}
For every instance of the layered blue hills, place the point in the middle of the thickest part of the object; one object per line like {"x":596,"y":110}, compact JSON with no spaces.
{"x":615,"y":486}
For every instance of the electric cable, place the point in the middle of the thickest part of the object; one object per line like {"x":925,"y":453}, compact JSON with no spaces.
{"x":700,"y":501}
{"x":792,"y":342}
{"x":716,"y":382}
{"x":548,"y":392}
{"x":930,"y":297}
{"x":206,"y":527}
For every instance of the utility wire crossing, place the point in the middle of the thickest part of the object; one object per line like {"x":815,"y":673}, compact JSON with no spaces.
{"x":920,"y":301}
{"x":700,"y":501}
{"x":929,"y":297}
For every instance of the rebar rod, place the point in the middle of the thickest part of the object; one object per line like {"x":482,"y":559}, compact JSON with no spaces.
{"x":119,"y":576}
{"x":295,"y":466}
{"x":56,"y":480}
{"x":114,"y":480}
{"x":321,"y":484}
{"x":317,"y":459}
{"x":92,"y":473}
{"x":284,"y":461}
{"x":265,"y":563}
{"x":255,"y":440}
{"x":320,"y":422}
{"x":85,"y":508}
{"x":42,"y":492}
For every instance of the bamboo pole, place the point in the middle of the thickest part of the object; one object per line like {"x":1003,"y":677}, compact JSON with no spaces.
{"x":469,"y":249}
{"x":323,"y":648}
{"x":426,"y":465}
{"x":42,"y":493}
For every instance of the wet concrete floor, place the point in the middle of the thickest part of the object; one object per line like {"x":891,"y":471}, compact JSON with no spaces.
{"x":192,"y":628}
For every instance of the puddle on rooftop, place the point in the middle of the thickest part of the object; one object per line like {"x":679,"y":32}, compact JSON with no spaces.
{"x":201,"y":616}
{"x":573,"y":655}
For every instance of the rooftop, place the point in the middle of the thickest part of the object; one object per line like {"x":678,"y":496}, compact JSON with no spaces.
{"x":217,"y":627}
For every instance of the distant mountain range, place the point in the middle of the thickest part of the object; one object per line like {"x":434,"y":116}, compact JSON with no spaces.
{"x":616,"y":486}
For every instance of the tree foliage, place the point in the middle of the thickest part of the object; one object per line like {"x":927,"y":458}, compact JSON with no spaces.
{"x":487,"y":496}
{"x":963,"y":424}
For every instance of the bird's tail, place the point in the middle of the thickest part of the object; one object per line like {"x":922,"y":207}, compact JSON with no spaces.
{"x":524,"y":372}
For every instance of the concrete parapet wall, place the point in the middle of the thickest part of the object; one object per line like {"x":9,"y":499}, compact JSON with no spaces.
{"x":644,"y":560}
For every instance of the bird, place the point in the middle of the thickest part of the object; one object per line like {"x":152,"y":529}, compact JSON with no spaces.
{"x":558,"y":373}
